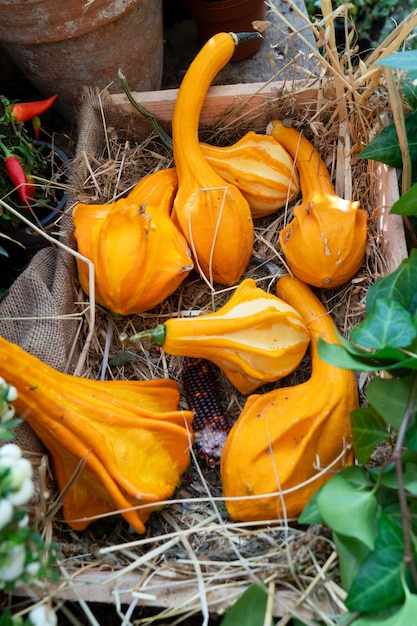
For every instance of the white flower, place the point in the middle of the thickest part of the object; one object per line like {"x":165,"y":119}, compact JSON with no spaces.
{"x":6,"y":512}
{"x":33,"y":568}
{"x":11,"y":394}
{"x":23,"y":494}
{"x":19,"y":480}
{"x":12,"y":567}
{"x":43,"y":616}
{"x":7,"y":414}
{"x":10,"y":450}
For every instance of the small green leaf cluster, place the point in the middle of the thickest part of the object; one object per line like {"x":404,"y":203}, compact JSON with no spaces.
{"x":371,"y":507}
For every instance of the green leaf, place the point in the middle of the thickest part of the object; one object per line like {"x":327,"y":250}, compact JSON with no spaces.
{"x":409,"y":88}
{"x":406,"y":60}
{"x":351,"y":554}
{"x":351,"y":357}
{"x":386,"y":148}
{"x":388,"y":324}
{"x":389,"y":397}
{"x":410,"y":478}
{"x":399,"y":285}
{"x":249,"y":609}
{"x":368,"y":430}
{"x":411,"y":437}
{"x":378,"y":582}
{"x":339,"y":503}
{"x":407,"y":203}
{"x":311,"y":514}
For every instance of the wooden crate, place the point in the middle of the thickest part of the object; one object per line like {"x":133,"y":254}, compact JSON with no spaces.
{"x":253,"y":104}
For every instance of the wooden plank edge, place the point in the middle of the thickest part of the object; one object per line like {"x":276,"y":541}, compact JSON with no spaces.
{"x":168,"y":592}
{"x":245,"y":99}
{"x":391,"y":226}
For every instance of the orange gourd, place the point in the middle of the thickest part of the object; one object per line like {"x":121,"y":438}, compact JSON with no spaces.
{"x":255,"y":338}
{"x":325,"y":242}
{"x":130,"y":435}
{"x":213,"y":215}
{"x":276,"y":454}
{"x":260,"y":167}
{"x":140,"y":257}
{"x":157,"y":189}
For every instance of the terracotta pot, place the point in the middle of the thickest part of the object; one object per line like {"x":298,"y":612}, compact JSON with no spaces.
{"x":62,"y":46}
{"x":215,"y":16}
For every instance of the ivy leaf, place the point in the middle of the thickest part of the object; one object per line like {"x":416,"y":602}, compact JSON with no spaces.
{"x":406,"y":60}
{"x":249,"y":609}
{"x":399,"y":285}
{"x":389,"y":397}
{"x":386,"y":148}
{"x":410,"y":478}
{"x":378,"y":582}
{"x":409,"y":87}
{"x":311,"y":514}
{"x":407,"y":203}
{"x":368,"y":430}
{"x":339,"y":502}
{"x":351,"y":357}
{"x":404,"y":616}
{"x":351,"y":554}
{"x":389,"y":324}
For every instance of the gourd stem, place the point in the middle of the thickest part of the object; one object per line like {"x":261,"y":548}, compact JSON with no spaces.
{"x":245,"y":36}
{"x":155,"y":335}
{"x":165,"y":138}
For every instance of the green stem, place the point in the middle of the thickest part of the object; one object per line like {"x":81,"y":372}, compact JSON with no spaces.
{"x":245,"y":36}
{"x":151,"y":119}
{"x":155,"y":335}
{"x":405,"y":511}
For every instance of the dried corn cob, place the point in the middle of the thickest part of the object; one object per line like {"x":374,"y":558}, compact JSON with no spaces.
{"x":209,"y":423}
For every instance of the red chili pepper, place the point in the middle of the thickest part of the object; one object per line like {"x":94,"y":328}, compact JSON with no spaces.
{"x":17,"y":175}
{"x":25,"y":111}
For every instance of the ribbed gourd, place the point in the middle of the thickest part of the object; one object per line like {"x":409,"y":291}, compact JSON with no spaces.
{"x":213,"y":215}
{"x":260,"y":167}
{"x":325,"y":242}
{"x":287,"y":442}
{"x":140,"y":257}
{"x":255,"y":337}
{"x":128,"y":440}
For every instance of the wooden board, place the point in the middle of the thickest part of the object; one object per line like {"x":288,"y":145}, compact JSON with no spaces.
{"x":249,"y":100}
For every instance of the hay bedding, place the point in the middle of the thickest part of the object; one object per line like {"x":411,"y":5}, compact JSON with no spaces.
{"x":193,"y":559}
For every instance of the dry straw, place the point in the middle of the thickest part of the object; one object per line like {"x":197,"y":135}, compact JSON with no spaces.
{"x":193,"y":560}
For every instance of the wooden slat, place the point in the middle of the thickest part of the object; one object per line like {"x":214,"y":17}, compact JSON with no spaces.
{"x":167,"y":591}
{"x":247,"y":99}
{"x":391,"y":226}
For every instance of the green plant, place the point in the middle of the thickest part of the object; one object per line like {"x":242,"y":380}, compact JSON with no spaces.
{"x":23,"y":160}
